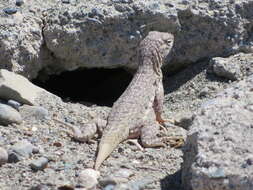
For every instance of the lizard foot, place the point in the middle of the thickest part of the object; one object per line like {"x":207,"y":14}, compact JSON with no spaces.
{"x":163,"y":121}
{"x":174,"y":141}
{"x":76,"y":133}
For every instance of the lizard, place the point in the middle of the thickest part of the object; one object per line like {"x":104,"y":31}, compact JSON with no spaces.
{"x":137,"y":112}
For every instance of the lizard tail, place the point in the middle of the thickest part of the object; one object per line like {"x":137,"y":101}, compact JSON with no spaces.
{"x":106,"y":146}
{"x":105,"y":149}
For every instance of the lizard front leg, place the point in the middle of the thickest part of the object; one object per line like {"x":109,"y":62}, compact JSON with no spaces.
{"x":149,"y":135}
{"x":158,"y":103}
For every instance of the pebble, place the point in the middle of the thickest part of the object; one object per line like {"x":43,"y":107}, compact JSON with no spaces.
{"x":39,"y":164}
{"x":9,"y":115}
{"x":34,"y":112}
{"x":96,"y":12}
{"x":109,"y":187}
{"x":19,"y":2}
{"x":88,"y":178}
{"x":122,"y":1}
{"x":40,"y":187}
{"x":10,"y":10}
{"x":3,"y":156}
{"x":20,"y":150}
{"x":140,"y":184}
{"x":123,"y":173}
{"x":14,"y":104}
{"x":65,"y":1}
{"x":204,"y":92}
{"x":118,"y":177}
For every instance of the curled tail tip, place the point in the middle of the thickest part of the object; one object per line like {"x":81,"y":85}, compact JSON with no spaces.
{"x":97,"y":165}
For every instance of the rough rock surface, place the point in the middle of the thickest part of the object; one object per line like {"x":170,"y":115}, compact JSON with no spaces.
{"x":218,"y":154}
{"x":57,"y":36}
{"x":234,"y":67}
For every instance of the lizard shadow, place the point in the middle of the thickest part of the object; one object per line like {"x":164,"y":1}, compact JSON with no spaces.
{"x":172,"y":182}
{"x":173,"y":81}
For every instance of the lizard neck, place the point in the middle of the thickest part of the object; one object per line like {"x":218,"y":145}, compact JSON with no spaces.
{"x":150,"y":67}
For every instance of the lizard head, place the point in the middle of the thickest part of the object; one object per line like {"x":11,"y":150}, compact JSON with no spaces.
{"x":155,"y":47}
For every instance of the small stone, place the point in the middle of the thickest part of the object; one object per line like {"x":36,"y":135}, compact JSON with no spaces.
{"x":217,"y":173}
{"x":10,"y":10}
{"x":122,"y":1}
{"x":88,"y":178}
{"x":3,"y":156}
{"x":9,"y":115}
{"x":34,"y":112}
{"x":20,"y":150}
{"x":124,"y":173}
{"x":65,"y":1}
{"x":224,"y":68}
{"x":40,"y":187}
{"x":204,"y":92}
{"x":57,"y":144}
{"x":19,"y":2}
{"x":120,"y":176}
{"x":14,"y":104}
{"x":109,"y":187}
{"x":39,"y":164}
{"x":140,"y":184}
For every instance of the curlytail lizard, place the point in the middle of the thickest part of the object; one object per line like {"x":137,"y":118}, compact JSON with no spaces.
{"x":137,"y":112}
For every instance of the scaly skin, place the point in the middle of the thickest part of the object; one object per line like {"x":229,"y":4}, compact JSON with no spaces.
{"x":138,"y":110}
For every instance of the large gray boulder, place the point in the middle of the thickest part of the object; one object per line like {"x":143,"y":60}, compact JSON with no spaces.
{"x":218,"y":154}
{"x":55,"y":36}
{"x":16,"y":87}
{"x":235,"y":67}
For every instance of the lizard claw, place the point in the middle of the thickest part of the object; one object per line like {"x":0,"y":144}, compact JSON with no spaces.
{"x":174,"y":141}
{"x":135,"y":142}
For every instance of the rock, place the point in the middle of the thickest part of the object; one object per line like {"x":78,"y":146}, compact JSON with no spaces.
{"x":223,"y":68}
{"x":219,"y":142}
{"x":14,"y":104}
{"x":88,"y":178}
{"x":3,"y":156}
{"x":65,"y":1}
{"x":8,"y":115}
{"x":109,"y":187}
{"x":140,"y":184}
{"x":234,"y":67}
{"x":39,"y":164}
{"x":18,"y":88}
{"x":120,"y":176}
{"x":204,"y":92}
{"x":203,"y":30}
{"x":10,"y":10}
{"x":34,"y":112}
{"x":21,"y":150}
{"x":40,"y":187}
{"x":19,"y":2}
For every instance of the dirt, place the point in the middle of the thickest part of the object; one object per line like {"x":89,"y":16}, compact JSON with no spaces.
{"x":152,"y":168}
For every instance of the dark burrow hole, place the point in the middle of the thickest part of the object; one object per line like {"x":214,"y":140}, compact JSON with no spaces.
{"x":88,"y":86}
